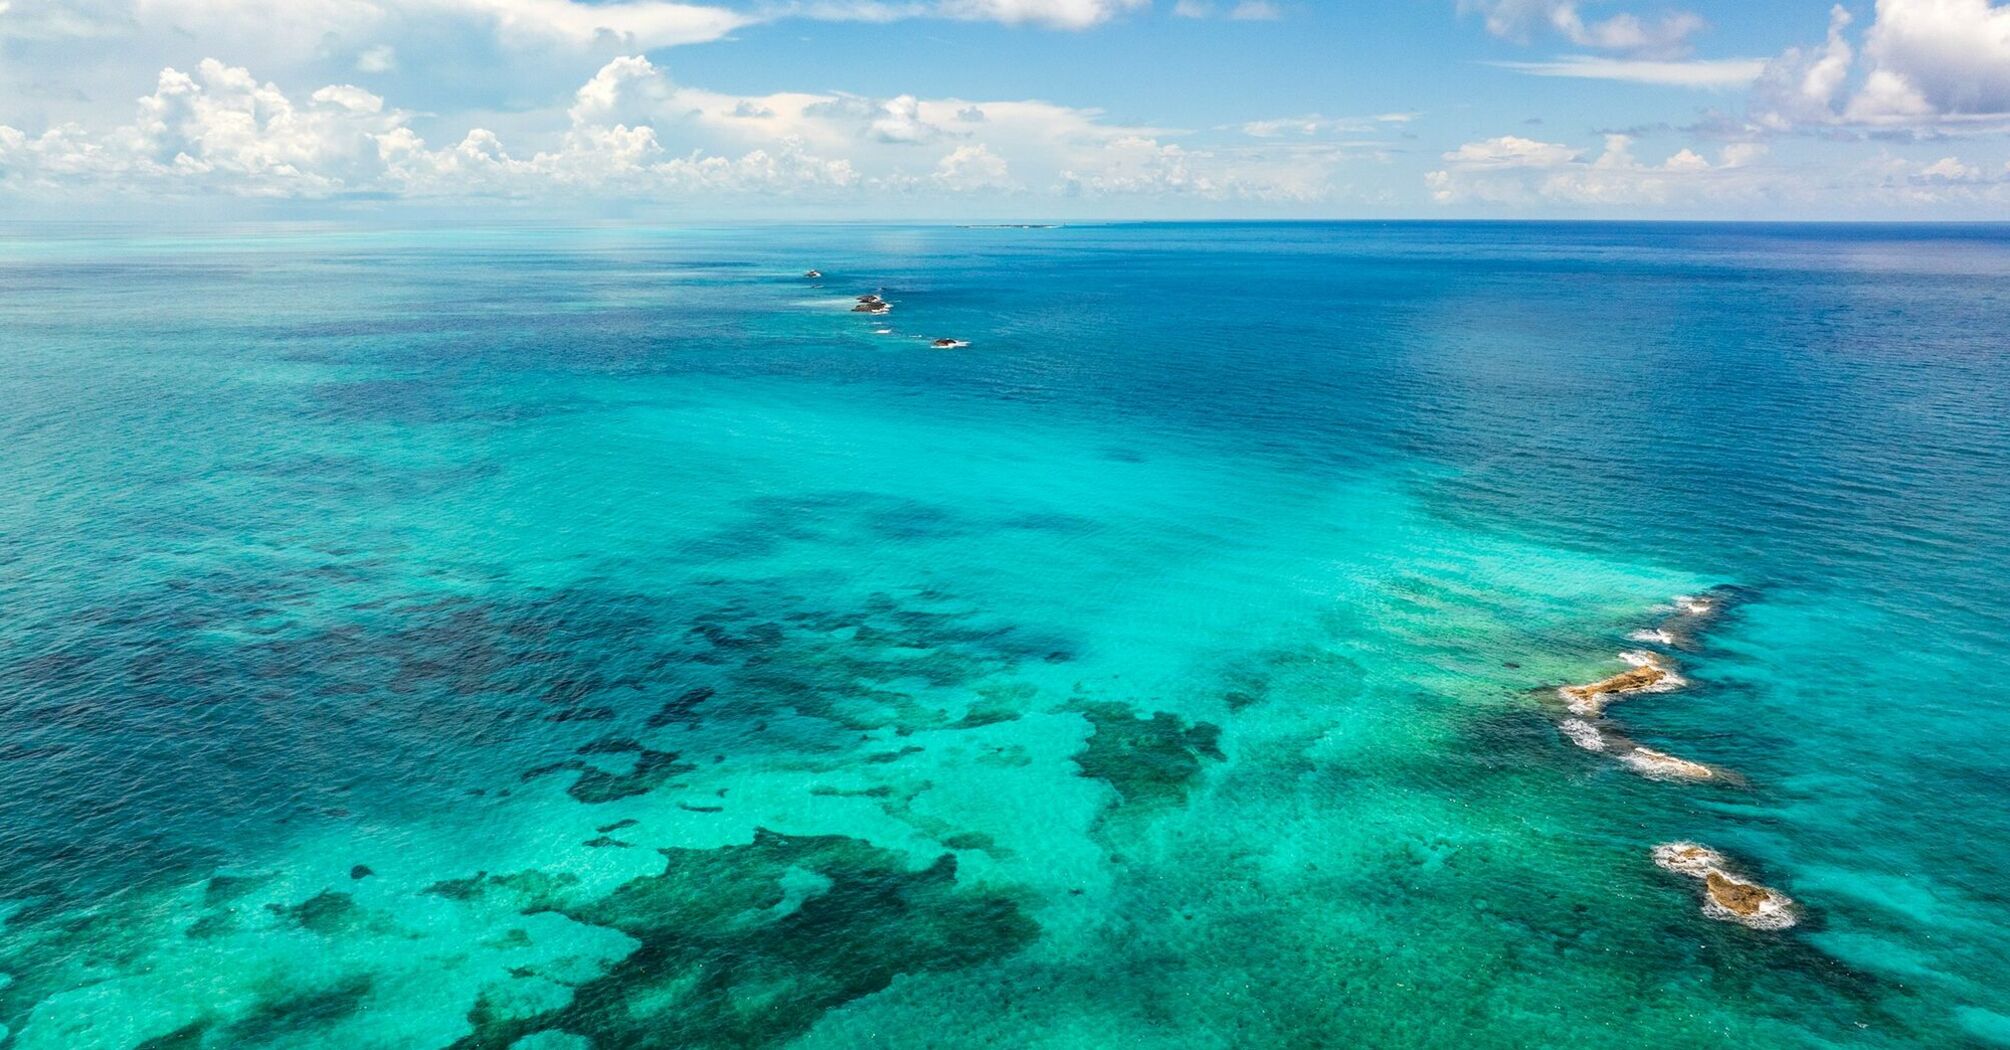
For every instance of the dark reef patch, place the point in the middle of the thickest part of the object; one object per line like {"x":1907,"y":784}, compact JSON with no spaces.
{"x":296,"y":1015}
{"x":595,"y":785}
{"x":1149,"y":761}
{"x":737,"y":951}
{"x":683,"y":709}
{"x":187,"y":1037}
{"x":524,"y":887}
{"x":326,"y":913}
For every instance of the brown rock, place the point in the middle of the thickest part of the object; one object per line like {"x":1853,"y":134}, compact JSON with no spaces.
{"x":1591,"y":699}
{"x":1738,"y":898}
{"x":1727,"y":897}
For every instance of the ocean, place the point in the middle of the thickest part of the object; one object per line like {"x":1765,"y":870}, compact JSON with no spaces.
{"x":542,"y":637}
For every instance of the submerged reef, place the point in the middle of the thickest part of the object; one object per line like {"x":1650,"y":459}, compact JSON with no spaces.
{"x":747,"y":946}
{"x":1726,"y":895}
{"x":1587,"y":727}
{"x":1150,"y":761}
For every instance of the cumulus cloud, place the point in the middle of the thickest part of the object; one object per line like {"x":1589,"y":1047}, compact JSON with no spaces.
{"x":900,"y":121}
{"x":628,"y":132}
{"x":1663,"y":36}
{"x":1922,"y":64}
{"x":1936,"y":58}
{"x":1511,"y":151}
{"x":1802,"y":85}
{"x":1513,"y":170}
{"x":973,"y":168}
{"x":220,"y":130}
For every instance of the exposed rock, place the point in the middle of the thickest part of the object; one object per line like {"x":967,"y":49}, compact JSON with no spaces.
{"x":814,"y":274}
{"x":1726,"y":896}
{"x":1647,"y":674}
{"x":1735,"y":900}
{"x":948,"y":344}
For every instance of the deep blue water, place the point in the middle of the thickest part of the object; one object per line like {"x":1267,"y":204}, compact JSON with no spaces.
{"x":557,"y":637}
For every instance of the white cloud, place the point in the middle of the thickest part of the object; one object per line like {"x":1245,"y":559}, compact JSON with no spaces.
{"x":1627,"y":33}
{"x":1949,"y":168}
{"x":628,"y":132}
{"x":302,"y":27}
{"x":974,"y":167}
{"x":1511,"y":170}
{"x":900,"y":121}
{"x":1936,"y":58}
{"x":1245,"y":11}
{"x":1552,"y":177}
{"x":380,"y":59}
{"x":1062,"y":14}
{"x":1314,"y":125}
{"x":1924,"y":64}
{"x":1711,"y":73}
{"x":1511,"y":151}
{"x":1802,"y":85}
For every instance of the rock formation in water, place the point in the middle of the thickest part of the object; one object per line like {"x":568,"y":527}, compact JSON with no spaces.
{"x":1727,"y":897}
{"x":1648,"y":674}
{"x":1663,"y":766}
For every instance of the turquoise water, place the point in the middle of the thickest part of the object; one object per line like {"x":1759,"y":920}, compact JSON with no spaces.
{"x":558,"y":638}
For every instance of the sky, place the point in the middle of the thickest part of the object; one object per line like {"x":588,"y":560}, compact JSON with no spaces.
{"x":1005,"y":110}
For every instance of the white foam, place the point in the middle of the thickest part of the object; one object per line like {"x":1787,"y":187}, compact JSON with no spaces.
{"x":1663,"y":766}
{"x":1583,"y":734}
{"x":1653,"y":636}
{"x":1688,"y":858}
{"x":1695,"y":605}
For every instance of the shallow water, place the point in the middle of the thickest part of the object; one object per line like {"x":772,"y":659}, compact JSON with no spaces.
{"x":553,"y":638}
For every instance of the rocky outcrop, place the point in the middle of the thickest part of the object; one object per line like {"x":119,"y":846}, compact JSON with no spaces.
{"x":871,"y":304}
{"x":1727,"y":896}
{"x":1648,"y":674}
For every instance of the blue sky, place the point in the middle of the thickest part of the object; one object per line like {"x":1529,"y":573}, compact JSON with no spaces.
{"x":1006,"y":109}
